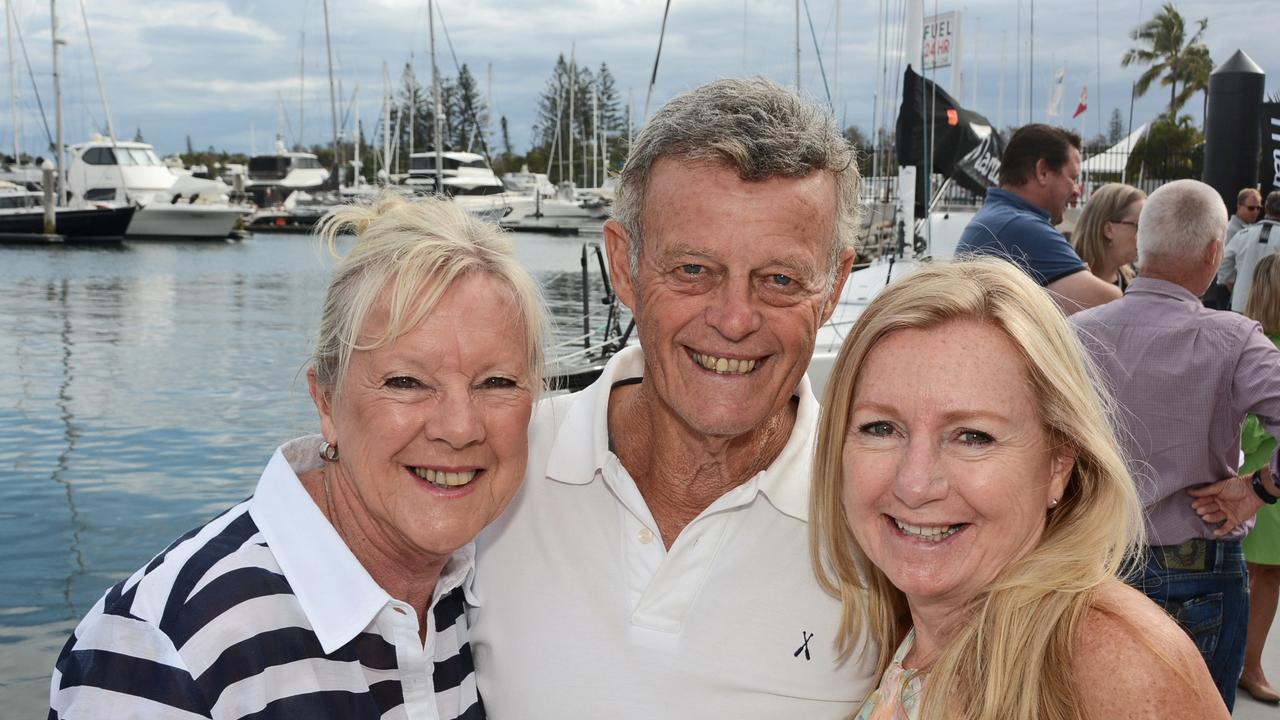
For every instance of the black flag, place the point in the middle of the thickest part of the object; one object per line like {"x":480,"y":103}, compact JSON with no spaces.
{"x":965,"y":146}
{"x":1269,"y":172}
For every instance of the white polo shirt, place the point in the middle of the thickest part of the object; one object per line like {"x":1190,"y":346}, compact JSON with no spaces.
{"x":580,"y":612}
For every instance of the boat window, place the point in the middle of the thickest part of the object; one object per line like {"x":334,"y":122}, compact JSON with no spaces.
{"x":18,"y":200}
{"x":476,"y":164}
{"x":428,"y":162}
{"x":100,"y":194}
{"x":138,"y":156}
{"x":307,"y":163}
{"x":478,"y":190}
{"x":99,"y":156}
{"x":268,"y":167}
{"x":125,"y":157}
{"x":151,"y":155}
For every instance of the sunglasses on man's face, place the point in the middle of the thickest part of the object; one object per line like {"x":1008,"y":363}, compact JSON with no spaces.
{"x":1254,"y":208}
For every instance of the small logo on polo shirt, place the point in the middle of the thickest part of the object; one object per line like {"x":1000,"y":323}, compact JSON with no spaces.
{"x":804,"y":648}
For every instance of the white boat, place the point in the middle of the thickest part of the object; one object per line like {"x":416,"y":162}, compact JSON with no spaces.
{"x":566,"y":210}
{"x":465,"y":177}
{"x":101,"y":172}
{"x":273,"y":178}
{"x":864,"y":284}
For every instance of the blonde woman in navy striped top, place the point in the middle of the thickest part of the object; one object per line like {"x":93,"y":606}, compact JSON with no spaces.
{"x":337,"y":589}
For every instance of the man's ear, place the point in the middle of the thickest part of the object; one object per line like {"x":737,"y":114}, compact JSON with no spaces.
{"x":617,"y":244}
{"x":1042,"y":171}
{"x":845,"y":264}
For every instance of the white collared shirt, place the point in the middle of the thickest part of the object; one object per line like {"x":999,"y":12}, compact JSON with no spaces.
{"x":264,"y":611}
{"x":581,"y":612}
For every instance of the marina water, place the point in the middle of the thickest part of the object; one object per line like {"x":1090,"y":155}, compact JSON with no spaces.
{"x":142,"y":390}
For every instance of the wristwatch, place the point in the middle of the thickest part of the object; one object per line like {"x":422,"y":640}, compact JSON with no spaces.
{"x":1261,"y":491}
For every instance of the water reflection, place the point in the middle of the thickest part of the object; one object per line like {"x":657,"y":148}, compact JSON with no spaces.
{"x":70,"y":435}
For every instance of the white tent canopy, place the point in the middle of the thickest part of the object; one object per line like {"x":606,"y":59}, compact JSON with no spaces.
{"x":1114,"y":159}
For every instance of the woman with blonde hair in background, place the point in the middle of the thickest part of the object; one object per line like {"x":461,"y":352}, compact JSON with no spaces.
{"x":1262,"y":544}
{"x":1106,"y":235}
{"x":971,"y":504}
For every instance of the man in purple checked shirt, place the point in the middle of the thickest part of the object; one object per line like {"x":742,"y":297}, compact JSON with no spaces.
{"x":1184,"y":377}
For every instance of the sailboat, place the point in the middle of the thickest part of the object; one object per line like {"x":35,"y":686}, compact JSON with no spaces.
{"x":27,"y":216}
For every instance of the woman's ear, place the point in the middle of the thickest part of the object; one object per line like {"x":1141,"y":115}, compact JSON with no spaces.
{"x":323,"y":398}
{"x":1060,"y":469}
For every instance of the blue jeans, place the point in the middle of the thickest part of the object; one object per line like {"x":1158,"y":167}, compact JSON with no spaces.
{"x":1206,"y":590}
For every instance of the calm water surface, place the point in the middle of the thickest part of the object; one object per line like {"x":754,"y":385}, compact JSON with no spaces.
{"x":142,"y":390}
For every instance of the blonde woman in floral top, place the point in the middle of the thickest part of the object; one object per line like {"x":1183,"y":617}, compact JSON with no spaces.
{"x":969,"y":502}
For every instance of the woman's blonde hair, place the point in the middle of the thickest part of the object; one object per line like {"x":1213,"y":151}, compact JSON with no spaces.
{"x":408,"y":253}
{"x":1264,"y":295}
{"x":1011,"y":658}
{"x":1107,"y":204}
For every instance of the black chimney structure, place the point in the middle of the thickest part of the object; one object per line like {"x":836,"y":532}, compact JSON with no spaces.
{"x":1232,"y":127}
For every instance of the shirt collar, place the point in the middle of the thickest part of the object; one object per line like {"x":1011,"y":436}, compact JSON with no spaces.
{"x":1016,"y":200}
{"x":581,"y":445}
{"x":1156,"y":286}
{"x":337,"y":594}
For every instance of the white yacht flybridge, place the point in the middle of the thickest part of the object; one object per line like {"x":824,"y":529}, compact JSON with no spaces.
{"x":273,"y":178}
{"x":465,"y":177}
{"x":102,"y":172}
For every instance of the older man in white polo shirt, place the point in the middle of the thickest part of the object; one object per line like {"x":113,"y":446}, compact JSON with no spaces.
{"x":655,"y":564}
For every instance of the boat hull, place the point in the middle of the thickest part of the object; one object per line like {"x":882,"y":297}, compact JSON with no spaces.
{"x":86,"y":225}
{"x":197,"y":222}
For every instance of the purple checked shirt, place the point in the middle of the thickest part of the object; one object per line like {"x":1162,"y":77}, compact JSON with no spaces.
{"x":1183,"y":378}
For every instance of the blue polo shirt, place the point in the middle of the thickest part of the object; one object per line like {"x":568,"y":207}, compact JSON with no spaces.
{"x":1020,"y":232}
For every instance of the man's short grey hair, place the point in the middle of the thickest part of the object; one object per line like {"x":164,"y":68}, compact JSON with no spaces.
{"x":1272,"y":205}
{"x":753,"y":125}
{"x":1179,"y":220}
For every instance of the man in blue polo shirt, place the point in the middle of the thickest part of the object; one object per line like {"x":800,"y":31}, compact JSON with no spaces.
{"x":1039,"y":177}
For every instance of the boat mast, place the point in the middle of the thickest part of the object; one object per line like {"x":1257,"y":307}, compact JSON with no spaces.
{"x":333,"y":102}
{"x":13,"y":78}
{"x":437,"y":120}
{"x":59,"y":182}
{"x":302,"y":89}
{"x":358,"y":164}
{"x":413,"y":107}
{"x":386,"y":124}
{"x":595,"y":137}
{"x":97,"y":73}
{"x":797,"y":46}
{"x":835,"y":103}
{"x":573,"y":83}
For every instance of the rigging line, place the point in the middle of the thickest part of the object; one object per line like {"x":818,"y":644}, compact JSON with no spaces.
{"x":653,"y":79}
{"x":467,"y":107}
{"x":818,"y":52}
{"x":1097,"y":42}
{"x":17,"y":27}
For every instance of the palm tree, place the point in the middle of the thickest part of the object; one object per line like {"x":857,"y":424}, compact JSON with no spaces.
{"x":1173,"y":57}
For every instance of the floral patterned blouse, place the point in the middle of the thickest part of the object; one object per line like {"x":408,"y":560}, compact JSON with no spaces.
{"x":900,"y":692}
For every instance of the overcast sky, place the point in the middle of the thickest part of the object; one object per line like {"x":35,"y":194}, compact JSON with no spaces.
{"x":213,"y":69}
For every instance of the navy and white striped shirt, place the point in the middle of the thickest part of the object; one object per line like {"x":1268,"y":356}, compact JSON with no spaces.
{"x":265,"y":613}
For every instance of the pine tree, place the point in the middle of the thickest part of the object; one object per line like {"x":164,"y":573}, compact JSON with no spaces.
{"x":612,"y":121}
{"x":550,"y":128}
{"x":469,"y":114}
{"x":1115,"y":128}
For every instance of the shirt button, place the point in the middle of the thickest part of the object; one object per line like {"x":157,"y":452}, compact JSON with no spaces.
{"x":645,"y":536}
